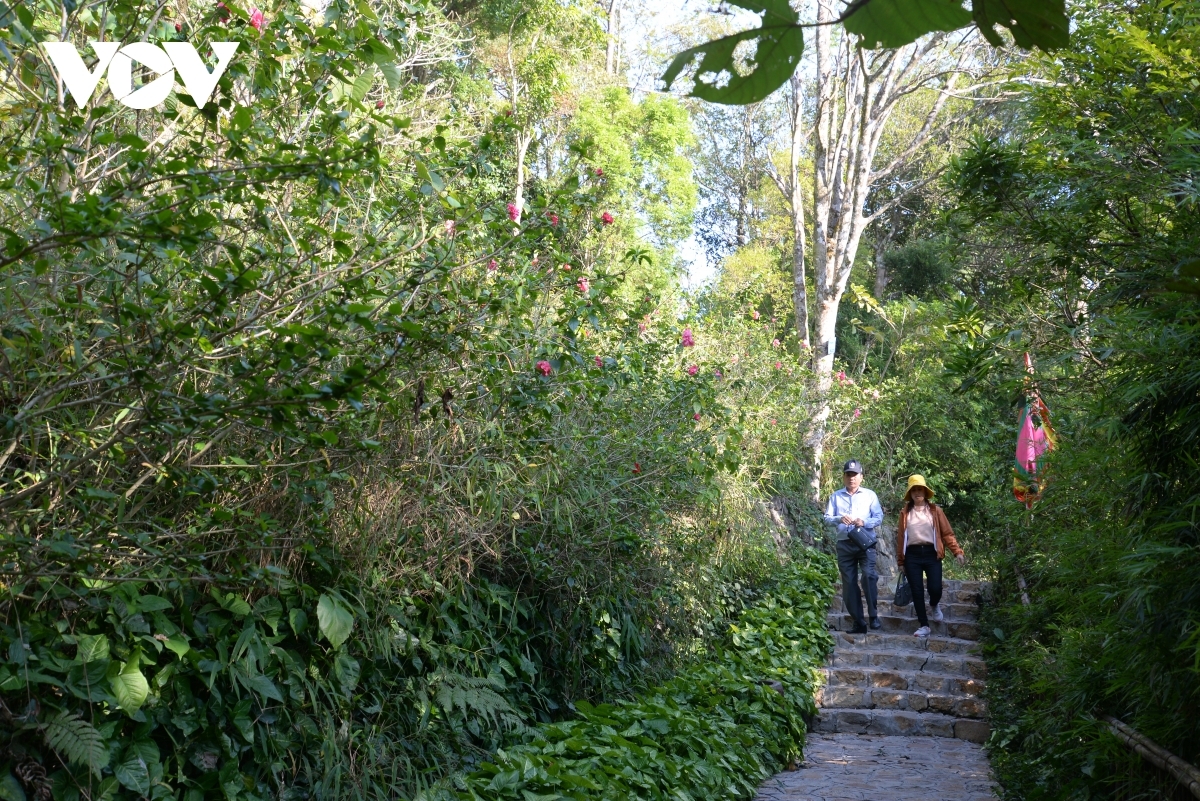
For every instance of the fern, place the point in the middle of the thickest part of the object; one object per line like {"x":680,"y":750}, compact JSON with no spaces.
{"x":77,"y":740}
{"x":472,"y":695}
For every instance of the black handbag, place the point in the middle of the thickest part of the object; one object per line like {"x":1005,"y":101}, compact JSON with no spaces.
{"x":903,"y":592}
{"x":862,"y":537}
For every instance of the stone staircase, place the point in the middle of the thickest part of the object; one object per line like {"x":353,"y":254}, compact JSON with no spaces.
{"x":891,"y":683}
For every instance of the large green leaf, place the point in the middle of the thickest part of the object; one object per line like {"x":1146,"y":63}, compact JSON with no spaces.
{"x":1034,"y":23}
{"x":780,"y":45}
{"x":334,"y":620}
{"x":91,"y":648}
{"x":140,"y":764}
{"x":10,"y":788}
{"x":894,"y":23}
{"x":129,"y":686}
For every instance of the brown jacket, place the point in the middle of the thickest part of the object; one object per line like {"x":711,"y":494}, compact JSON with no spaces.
{"x":944,"y":540}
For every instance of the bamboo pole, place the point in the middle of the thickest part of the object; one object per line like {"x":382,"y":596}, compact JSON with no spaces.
{"x":1186,"y":774}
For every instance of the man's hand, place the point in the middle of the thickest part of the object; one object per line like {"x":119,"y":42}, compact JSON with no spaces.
{"x":847,"y":520}
{"x":962,"y":558}
{"x":858,"y":521}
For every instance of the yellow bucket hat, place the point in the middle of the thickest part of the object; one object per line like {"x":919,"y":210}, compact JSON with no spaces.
{"x":917,"y":481}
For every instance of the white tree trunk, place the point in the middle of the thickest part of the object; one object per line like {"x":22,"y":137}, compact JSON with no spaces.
{"x":796,"y":202}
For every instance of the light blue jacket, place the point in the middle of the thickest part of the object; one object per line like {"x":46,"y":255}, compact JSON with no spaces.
{"x":863,"y":504}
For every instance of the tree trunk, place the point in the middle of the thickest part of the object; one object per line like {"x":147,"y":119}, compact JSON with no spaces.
{"x":524,"y":139}
{"x":796,"y":200}
{"x":612,"y":31}
{"x":883,"y":244}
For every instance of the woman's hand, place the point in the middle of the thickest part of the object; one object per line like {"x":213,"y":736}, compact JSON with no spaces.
{"x":962,"y":558}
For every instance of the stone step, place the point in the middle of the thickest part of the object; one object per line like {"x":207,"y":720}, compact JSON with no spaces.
{"x":967,"y":612}
{"x":945,"y":664}
{"x":906,"y":680}
{"x":845,"y":642}
{"x":892,"y":722}
{"x":953,"y":592}
{"x":849,"y":697}
{"x":892,"y":624}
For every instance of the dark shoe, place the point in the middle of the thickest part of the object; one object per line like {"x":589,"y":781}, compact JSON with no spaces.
{"x":859,"y":628}
{"x":875,"y":624}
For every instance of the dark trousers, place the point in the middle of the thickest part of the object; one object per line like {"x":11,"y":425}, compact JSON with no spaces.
{"x":850,"y":558}
{"x":920,"y":559}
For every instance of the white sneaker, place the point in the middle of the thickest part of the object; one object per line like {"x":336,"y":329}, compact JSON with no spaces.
{"x":937,"y":614}
{"x":922,"y":632}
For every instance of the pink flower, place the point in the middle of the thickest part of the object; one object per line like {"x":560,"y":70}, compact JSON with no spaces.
{"x":493,"y":265}
{"x":599,"y":173}
{"x":875,"y":394}
{"x":583,"y":286}
{"x":696,"y":416}
{"x":450,"y":226}
{"x":754,"y":314}
{"x":642,"y":327}
{"x":256,"y":20}
{"x":606,"y":218}
{"x":599,"y":362}
{"x":687,"y":340}
{"x":566,"y":267}
{"x":178,"y":27}
{"x":553,"y":218}
{"x":805,"y":344}
{"x":778,"y":365}
{"x":693,"y":369}
{"x":774,"y":343}
{"x":513,"y":212}
{"x":544,"y":367}
{"x":637,"y":468}
{"x":718,"y":374}
{"x":772,"y":421}
{"x":857,"y":413}
{"x":379,"y":104}
{"x":534,"y":260}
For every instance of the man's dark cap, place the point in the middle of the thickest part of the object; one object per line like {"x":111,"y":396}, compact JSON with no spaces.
{"x":852,"y":466}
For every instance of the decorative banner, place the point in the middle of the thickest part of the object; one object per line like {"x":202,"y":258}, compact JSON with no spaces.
{"x":1035,"y":437}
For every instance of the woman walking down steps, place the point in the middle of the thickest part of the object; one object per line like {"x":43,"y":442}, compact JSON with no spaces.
{"x":923,"y":536}
{"x":901,"y":717}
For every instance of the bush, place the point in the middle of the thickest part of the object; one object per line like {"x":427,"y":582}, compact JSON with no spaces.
{"x":715,"y":731}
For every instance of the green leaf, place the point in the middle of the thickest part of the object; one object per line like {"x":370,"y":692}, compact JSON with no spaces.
{"x":894,"y":23}
{"x":391,"y":74}
{"x":362,"y":84}
{"x":269,"y":608}
{"x":231,"y":603}
{"x":264,"y":687}
{"x":347,"y":670}
{"x":178,"y":644}
{"x":92,"y":648}
{"x":10,"y":788}
{"x":141,"y":761}
{"x":1034,"y":23}
{"x":297,"y":619}
{"x":77,"y":740}
{"x":129,"y":686}
{"x":780,"y":45}
{"x":334,"y":620}
{"x":152,"y":603}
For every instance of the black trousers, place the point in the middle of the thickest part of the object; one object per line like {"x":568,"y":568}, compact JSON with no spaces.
{"x":850,"y":558}
{"x":920,"y":559}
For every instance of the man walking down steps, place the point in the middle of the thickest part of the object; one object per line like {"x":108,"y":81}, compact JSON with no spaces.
{"x":901,"y":718}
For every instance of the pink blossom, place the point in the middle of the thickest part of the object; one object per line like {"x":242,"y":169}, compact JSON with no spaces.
{"x":599,"y":173}
{"x":508,"y":112}
{"x":544,"y":367}
{"x":379,"y":104}
{"x":256,"y":20}
{"x":637,"y":468}
{"x":778,"y":365}
{"x":875,"y":394}
{"x":493,"y":265}
{"x":857,"y":413}
{"x":553,"y":218}
{"x":450,"y":226}
{"x":178,"y":27}
{"x":606,"y":218}
{"x":772,"y":421}
{"x":696,"y":416}
{"x":513,"y":212}
{"x":583,"y":286}
{"x":693,"y":369}
{"x":599,"y":362}
{"x":534,"y":260}
{"x":687,"y":341}
{"x":774,"y":343}
{"x":718,"y":374}
{"x":754,"y":314}
{"x":642,"y":327}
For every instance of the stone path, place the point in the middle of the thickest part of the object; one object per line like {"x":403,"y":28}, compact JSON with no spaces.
{"x":869,"y":767}
{"x":901,"y":717}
